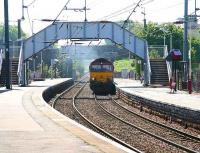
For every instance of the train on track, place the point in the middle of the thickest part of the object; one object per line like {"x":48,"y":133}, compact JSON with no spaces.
{"x":101,"y":77}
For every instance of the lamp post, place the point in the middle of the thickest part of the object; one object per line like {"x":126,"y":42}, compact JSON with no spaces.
{"x":34,"y":63}
{"x":53,"y":63}
{"x":165,"y":33}
{"x":190,"y":58}
{"x":75,"y":60}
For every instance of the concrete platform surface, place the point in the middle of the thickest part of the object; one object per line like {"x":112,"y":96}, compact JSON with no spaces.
{"x":162,"y":94}
{"x":28,"y":124}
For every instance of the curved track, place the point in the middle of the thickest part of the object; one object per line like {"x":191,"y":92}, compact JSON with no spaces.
{"x":164,"y":133}
{"x":93,"y":125}
{"x":130,"y":130}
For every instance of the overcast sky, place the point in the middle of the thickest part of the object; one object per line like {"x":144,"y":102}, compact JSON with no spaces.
{"x":156,"y":11}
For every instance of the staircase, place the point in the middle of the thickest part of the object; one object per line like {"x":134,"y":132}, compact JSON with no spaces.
{"x":14,"y":77}
{"x":159,"y":75}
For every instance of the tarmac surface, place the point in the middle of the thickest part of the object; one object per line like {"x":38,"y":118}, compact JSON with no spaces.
{"x":28,"y":124}
{"x":161,"y":94}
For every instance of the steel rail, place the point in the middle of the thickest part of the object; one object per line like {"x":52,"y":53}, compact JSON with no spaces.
{"x":100,"y":130}
{"x":67,"y":90}
{"x":192,"y":137}
{"x":147,"y":132}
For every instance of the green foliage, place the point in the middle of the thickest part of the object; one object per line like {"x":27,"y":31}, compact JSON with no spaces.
{"x":195,"y":49}
{"x":137,"y":29}
{"x":64,"y":65}
{"x":154,"y":34}
{"x":13,"y":32}
{"x":46,"y":73}
{"x":137,"y":68}
{"x":124,"y":64}
{"x":1,"y":32}
{"x":154,"y":54}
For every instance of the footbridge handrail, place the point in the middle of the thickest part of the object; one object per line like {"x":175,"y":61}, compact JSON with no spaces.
{"x":85,"y":30}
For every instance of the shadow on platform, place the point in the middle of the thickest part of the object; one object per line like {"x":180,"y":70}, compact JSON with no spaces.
{"x":2,"y":90}
{"x":132,"y":87}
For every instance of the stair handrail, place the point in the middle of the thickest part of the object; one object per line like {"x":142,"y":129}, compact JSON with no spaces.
{"x":148,"y":67}
{"x":169,"y":64}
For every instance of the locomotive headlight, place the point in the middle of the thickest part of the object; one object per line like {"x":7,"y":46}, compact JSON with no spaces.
{"x":93,"y":79}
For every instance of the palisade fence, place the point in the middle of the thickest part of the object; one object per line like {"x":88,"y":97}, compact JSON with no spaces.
{"x":196,"y":77}
{"x":196,"y":81}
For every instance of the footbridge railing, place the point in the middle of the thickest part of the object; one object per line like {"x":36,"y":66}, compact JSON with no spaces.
{"x":86,"y":30}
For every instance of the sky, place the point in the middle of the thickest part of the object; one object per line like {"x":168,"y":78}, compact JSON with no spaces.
{"x":156,"y":10}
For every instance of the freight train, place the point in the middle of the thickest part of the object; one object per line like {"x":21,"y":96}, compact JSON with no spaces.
{"x":101,"y":77}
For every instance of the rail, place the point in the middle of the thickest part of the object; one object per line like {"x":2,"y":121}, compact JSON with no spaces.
{"x":178,"y":114}
{"x":149,"y":133}
{"x":97,"y":127}
{"x":58,"y":96}
{"x":169,"y":64}
{"x":157,"y":123}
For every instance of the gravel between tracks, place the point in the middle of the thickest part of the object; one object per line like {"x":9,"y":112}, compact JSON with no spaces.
{"x":122,"y":131}
{"x":151,"y":127}
{"x":175,"y":125}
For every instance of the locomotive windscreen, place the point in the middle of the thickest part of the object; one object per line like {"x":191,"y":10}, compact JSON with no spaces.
{"x":106,"y":68}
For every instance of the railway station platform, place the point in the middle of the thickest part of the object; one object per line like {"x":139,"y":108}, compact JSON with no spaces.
{"x":162,"y":94}
{"x":28,"y":124}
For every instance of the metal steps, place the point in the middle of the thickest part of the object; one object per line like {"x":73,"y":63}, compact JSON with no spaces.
{"x":13,"y":71}
{"x":159,"y":72}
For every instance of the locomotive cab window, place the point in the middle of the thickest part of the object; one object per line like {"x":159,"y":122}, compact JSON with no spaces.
{"x":95,"y":68}
{"x":106,"y":68}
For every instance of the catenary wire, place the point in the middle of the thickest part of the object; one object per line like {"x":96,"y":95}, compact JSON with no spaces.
{"x":61,"y":11}
{"x":31,"y":3}
{"x":122,"y":11}
{"x":137,"y":5}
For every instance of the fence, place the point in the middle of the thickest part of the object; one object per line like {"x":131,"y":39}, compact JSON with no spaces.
{"x":157,"y":52}
{"x":196,"y":81}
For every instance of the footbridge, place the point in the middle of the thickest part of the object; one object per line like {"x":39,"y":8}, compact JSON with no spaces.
{"x":86,"y":30}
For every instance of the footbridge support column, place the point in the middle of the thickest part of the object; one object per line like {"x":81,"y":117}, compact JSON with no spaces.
{"x":147,"y":67}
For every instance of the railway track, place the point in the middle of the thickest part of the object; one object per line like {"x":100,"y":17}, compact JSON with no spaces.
{"x":76,"y":102}
{"x":63,"y":102}
{"x":124,"y":130}
{"x":164,"y":133}
{"x":148,"y":112}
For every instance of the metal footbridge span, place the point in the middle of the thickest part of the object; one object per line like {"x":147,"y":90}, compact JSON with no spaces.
{"x":86,"y":30}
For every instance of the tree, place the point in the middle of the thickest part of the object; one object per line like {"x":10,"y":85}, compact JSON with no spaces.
{"x":154,"y":54}
{"x":195,"y":50}
{"x":64,"y":65}
{"x":13,"y":32}
{"x":154,"y":35}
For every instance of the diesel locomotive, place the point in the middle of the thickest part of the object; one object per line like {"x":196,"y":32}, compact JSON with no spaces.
{"x":101,"y":77}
